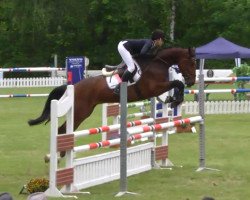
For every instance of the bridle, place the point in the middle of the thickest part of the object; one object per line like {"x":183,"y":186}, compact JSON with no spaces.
{"x":190,"y":59}
{"x":164,"y":61}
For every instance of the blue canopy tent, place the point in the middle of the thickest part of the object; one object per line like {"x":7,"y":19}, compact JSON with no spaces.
{"x":221,"y":48}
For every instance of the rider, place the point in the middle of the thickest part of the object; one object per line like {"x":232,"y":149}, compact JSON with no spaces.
{"x":130,"y":47}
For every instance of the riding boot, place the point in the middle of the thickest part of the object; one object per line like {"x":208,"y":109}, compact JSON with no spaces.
{"x":125,"y":78}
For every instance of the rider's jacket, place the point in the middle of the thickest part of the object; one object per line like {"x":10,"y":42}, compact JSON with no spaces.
{"x":138,"y":46}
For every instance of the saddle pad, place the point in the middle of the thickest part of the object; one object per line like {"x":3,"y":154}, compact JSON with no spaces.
{"x":114,"y":80}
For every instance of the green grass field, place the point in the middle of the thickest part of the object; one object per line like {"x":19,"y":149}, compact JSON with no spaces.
{"x":22,"y":149}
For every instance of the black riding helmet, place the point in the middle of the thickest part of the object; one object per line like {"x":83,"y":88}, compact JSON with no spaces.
{"x":157,"y":34}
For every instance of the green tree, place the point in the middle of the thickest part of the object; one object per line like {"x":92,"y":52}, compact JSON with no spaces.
{"x":32,"y":31}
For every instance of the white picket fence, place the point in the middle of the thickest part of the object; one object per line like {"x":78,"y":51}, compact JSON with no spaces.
{"x":32,"y":82}
{"x":217,"y":107}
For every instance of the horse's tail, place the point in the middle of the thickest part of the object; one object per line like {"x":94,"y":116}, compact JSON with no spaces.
{"x":56,"y":93}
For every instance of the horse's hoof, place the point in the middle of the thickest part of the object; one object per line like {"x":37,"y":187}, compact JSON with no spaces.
{"x":175,"y":104}
{"x":169,"y":100}
{"x":47,"y":158}
{"x":62,"y":154}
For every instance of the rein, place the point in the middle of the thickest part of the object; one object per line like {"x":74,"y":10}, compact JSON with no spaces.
{"x":164,"y":61}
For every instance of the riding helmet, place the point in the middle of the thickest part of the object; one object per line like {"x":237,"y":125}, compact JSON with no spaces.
{"x":157,"y":34}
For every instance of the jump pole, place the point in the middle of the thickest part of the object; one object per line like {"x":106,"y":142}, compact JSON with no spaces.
{"x":202,"y":136}
{"x":153,"y":115}
{"x":123,"y":145}
{"x":232,"y":91}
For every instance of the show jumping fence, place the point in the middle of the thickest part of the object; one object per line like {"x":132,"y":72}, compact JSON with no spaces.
{"x":217,"y":107}
{"x":226,"y":79}
{"x":113,"y":111}
{"x":80,"y":173}
{"x":22,"y":95}
{"x":232,"y":91}
{"x":140,"y":130}
{"x":52,"y":81}
{"x":32,"y":82}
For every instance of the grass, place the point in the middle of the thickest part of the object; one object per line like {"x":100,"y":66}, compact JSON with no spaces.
{"x":227,"y":148}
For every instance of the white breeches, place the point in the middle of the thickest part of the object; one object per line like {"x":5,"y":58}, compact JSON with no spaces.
{"x":126,"y":56}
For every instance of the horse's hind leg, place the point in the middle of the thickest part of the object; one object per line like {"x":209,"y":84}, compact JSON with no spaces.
{"x":61,"y":130}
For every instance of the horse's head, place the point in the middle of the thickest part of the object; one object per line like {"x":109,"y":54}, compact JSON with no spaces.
{"x":187,"y":66}
{"x":184,"y":58}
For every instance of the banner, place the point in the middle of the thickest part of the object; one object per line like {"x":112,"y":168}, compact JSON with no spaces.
{"x":75,"y":69}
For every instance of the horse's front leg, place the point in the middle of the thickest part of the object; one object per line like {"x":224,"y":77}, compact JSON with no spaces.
{"x":179,"y":91}
{"x":178,"y":96}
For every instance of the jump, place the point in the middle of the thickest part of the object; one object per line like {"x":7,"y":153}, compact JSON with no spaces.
{"x":92,"y":91}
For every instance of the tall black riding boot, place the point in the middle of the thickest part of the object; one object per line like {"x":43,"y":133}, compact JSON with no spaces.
{"x":125,"y":78}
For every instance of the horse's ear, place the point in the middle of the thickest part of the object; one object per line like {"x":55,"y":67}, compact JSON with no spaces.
{"x":191,"y":52}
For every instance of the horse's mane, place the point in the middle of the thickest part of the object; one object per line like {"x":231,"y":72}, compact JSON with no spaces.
{"x":173,"y":54}
{"x":168,"y":53}
{"x":151,"y":55}
{"x":159,"y":52}
{"x":178,"y":50}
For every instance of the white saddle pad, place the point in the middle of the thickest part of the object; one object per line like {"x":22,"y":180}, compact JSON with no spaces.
{"x":114,"y":80}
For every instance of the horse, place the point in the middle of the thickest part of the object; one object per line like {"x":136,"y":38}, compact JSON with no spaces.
{"x":153,"y":82}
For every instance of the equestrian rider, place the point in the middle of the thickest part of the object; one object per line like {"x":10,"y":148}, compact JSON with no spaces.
{"x":130,"y":47}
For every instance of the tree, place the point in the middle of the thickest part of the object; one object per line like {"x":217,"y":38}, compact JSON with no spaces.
{"x":172,"y":21}
{"x":32,"y":31}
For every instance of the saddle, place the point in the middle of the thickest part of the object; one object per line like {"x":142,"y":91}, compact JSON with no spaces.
{"x":110,"y":70}
{"x":114,"y":67}
{"x":113,"y":74}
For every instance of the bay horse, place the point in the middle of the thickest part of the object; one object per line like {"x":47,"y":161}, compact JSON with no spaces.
{"x":154,"y":81}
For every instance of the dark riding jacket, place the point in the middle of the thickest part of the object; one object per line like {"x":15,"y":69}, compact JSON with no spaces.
{"x":138,"y":46}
